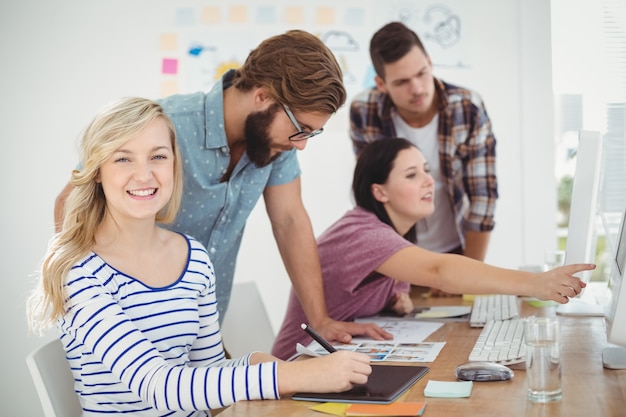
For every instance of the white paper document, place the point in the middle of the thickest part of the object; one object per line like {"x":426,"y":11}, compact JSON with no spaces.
{"x":407,"y":344}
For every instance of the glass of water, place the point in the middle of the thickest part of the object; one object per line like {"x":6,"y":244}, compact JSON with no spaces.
{"x":543,"y":359}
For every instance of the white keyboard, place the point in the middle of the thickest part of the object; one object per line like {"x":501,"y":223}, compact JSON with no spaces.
{"x":500,"y":341}
{"x":493,"y":307}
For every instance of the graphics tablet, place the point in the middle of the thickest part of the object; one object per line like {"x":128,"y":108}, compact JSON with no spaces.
{"x":384,"y":385}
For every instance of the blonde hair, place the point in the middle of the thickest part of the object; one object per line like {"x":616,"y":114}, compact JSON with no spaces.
{"x":85,"y":206}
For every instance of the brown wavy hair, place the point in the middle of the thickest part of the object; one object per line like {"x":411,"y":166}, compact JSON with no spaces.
{"x":298,"y":70}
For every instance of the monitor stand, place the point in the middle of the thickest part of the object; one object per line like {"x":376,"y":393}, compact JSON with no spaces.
{"x":586,"y":303}
{"x":614,"y":357}
{"x":578,"y":307}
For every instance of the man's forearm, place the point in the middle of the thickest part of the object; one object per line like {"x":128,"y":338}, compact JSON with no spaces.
{"x":298,"y":250}
{"x":476,"y":244}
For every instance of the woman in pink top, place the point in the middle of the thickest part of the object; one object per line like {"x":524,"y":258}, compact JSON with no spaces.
{"x":370,"y":258}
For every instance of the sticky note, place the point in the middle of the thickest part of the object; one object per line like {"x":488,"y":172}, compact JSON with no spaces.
{"x":448,"y":389}
{"x":211,"y":15}
{"x":238,"y":14}
{"x":169,"y":66}
{"x":168,"y":42}
{"x":169,"y":88}
{"x":266,"y":15}
{"x":325,"y":16}
{"x":355,"y":17}
{"x":336,"y":409}
{"x":444,"y":311}
{"x":294,"y":15}
{"x":185,"y":16}
{"x":542,"y":303}
{"x":393,"y":409}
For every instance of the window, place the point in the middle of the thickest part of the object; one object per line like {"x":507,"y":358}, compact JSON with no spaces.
{"x":589,"y":78}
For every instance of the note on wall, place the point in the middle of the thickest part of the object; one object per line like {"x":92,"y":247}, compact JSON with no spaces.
{"x":168,"y":42}
{"x":185,"y":17}
{"x":294,"y":15}
{"x":208,"y":40}
{"x":169,"y":66}
{"x":266,"y":15}
{"x":238,"y":14}
{"x":211,"y":15}
{"x":325,"y":16}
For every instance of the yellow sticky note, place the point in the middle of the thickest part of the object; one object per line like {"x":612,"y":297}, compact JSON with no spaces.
{"x":169,"y":88}
{"x":336,"y":409}
{"x":168,"y":42}
{"x":325,"y":15}
{"x":294,"y":15}
{"x":238,"y":14}
{"x":211,"y":15}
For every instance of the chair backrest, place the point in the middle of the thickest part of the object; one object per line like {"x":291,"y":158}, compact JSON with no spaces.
{"x":246,"y":326}
{"x":53,"y":380}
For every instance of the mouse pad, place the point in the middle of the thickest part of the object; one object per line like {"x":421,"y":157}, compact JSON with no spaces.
{"x":384,"y":385}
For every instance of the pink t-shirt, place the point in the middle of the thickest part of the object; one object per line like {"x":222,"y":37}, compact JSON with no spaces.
{"x":350,"y":251}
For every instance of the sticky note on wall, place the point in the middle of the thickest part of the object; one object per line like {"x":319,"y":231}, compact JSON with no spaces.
{"x":325,"y":16}
{"x":169,"y":66}
{"x":168,"y":42}
{"x":211,"y":15}
{"x":294,"y":15}
{"x":238,"y":14}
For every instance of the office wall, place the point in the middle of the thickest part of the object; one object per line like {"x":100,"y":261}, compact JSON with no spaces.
{"x":63,"y":60}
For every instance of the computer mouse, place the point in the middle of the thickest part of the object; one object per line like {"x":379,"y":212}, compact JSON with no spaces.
{"x":483,"y":371}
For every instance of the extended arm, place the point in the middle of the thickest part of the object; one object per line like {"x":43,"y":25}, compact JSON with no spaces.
{"x":294,"y":236}
{"x":462,"y":275}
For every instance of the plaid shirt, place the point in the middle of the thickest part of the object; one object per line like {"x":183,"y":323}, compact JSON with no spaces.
{"x":467,"y":148}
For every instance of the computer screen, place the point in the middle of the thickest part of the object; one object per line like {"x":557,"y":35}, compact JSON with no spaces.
{"x":616,"y":315}
{"x":584,"y":223}
{"x":583,"y":218}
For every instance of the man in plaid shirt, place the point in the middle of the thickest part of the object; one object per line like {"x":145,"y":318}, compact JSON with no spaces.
{"x":450,"y":126}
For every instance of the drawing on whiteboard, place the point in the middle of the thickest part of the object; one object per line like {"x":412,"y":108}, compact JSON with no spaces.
{"x":444,"y":27}
{"x":340,"y":41}
{"x":223,"y":67}
{"x":196,"y":49}
{"x":342,"y":44}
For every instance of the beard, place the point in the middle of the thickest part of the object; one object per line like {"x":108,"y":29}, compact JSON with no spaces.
{"x":258,"y":142}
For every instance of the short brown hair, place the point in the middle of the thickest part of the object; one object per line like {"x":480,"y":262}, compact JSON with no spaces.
{"x":390,"y":43}
{"x":298,"y":70}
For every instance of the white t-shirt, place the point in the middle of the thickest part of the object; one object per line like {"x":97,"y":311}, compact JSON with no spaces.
{"x":437,"y":232}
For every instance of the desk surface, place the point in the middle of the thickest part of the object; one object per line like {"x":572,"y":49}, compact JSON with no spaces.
{"x":588,"y":388}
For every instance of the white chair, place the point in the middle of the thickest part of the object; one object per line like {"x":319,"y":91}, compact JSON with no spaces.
{"x":53,"y":380}
{"x":246,"y":326}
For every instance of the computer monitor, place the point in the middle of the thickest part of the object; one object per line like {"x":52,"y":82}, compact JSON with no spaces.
{"x":582,"y":230}
{"x":615,"y":357}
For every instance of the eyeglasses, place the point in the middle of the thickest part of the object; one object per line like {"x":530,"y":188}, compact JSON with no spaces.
{"x":300,"y":134}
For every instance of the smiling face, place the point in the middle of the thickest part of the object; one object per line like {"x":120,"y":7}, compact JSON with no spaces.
{"x":408,"y":193}
{"x":410,"y":84}
{"x":138,"y":178}
{"x":267,"y":133}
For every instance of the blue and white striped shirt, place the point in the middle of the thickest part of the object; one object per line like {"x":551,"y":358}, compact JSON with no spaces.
{"x":148,"y":351}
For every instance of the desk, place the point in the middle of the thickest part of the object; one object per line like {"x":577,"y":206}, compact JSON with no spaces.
{"x":588,"y":389}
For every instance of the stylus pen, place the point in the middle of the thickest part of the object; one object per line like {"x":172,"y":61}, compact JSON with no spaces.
{"x":319,"y":339}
